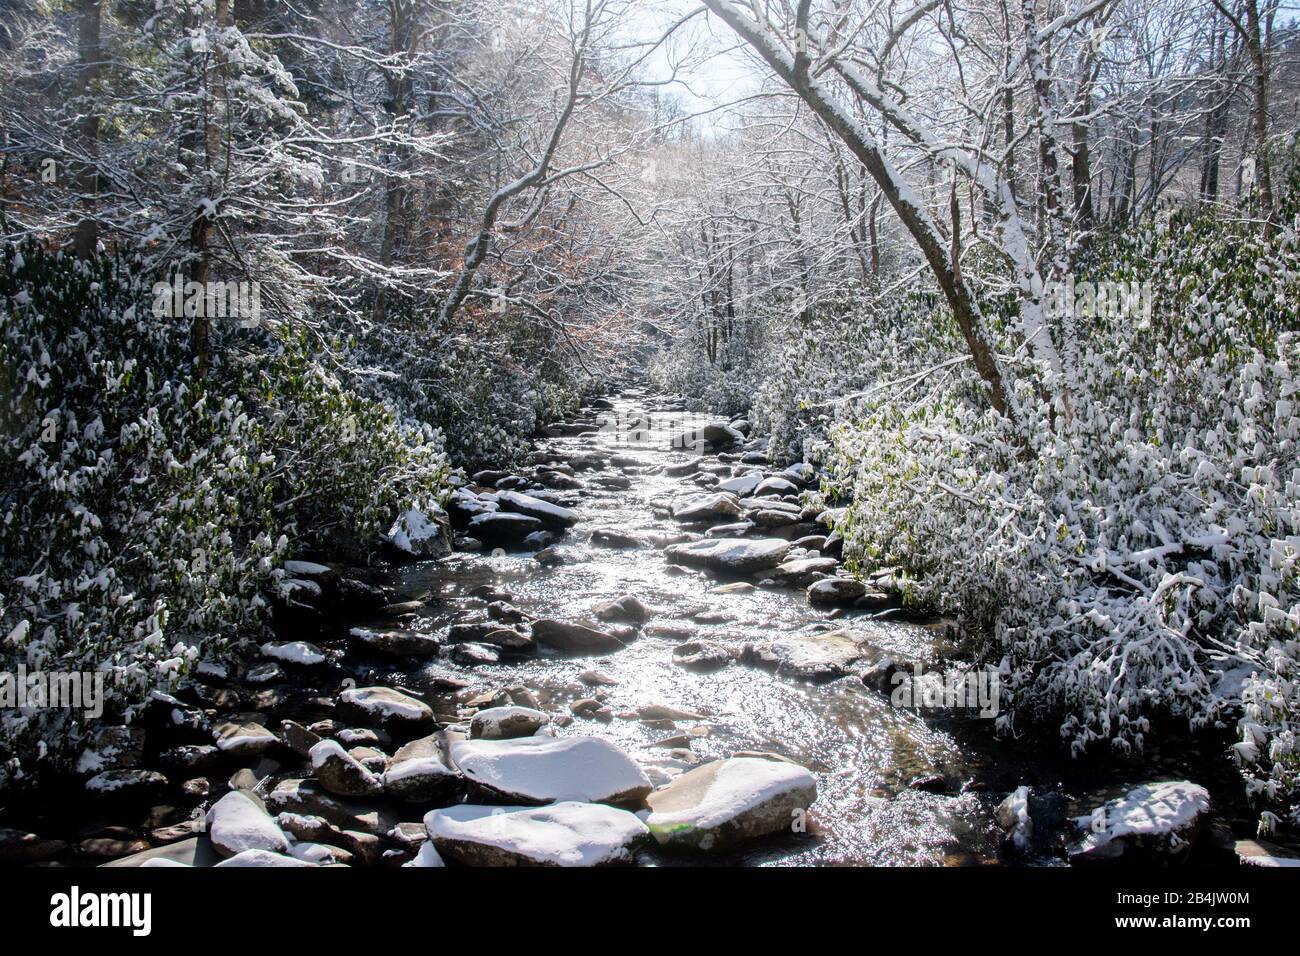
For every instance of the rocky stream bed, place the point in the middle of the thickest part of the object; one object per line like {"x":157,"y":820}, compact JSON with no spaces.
{"x":638,"y":650}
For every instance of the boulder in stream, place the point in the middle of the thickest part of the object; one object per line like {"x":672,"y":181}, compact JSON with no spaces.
{"x":563,"y":834}
{"x":735,"y":555}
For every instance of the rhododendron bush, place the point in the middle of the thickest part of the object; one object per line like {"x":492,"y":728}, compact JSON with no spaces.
{"x":1131,"y":557}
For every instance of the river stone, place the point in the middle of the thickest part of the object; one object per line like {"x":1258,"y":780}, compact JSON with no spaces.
{"x":340,"y":772}
{"x":1156,"y":822}
{"x":397,"y":643}
{"x":771,"y":518}
{"x":18,"y":847}
{"x":421,"y":533}
{"x":563,"y":834}
{"x":548,"y":514}
{"x":572,"y":638}
{"x":803,"y":571}
{"x":736,"y":555}
{"x":196,"y":851}
{"x":419,"y":773}
{"x":390,"y":709}
{"x":127,"y":784}
{"x":742,"y":486}
{"x":711,"y":437}
{"x":263,"y":858}
{"x":816,"y":657}
{"x":548,"y":769}
{"x":729,"y":801}
{"x":243,"y":738}
{"x":473,"y":654}
{"x":503,"y":723}
{"x":710,"y":507}
{"x":503,"y":526}
{"x":309,"y":798}
{"x":298,"y":738}
{"x":239,"y":822}
{"x":627,"y":609}
{"x":613,"y":538}
{"x":701,"y":656}
{"x":775,"y":487}
{"x":834,"y":591}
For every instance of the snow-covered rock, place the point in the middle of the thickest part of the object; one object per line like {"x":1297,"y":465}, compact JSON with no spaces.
{"x":803,"y":571}
{"x":833,"y":591}
{"x":1013,"y":816}
{"x":262,"y":858}
{"x":112,"y":748}
{"x":735,"y":555}
{"x":300,"y":653}
{"x":549,"y":514}
{"x":708,"y":507}
{"x":389,"y":708}
{"x":243,"y":738}
{"x":239,"y":822}
{"x":397,"y":643}
{"x":421,"y":533}
{"x":1156,"y":821}
{"x":563,"y":834}
{"x":504,"y":723}
{"x":775,"y":487}
{"x":729,"y":801}
{"x":419,"y":773}
{"x":503,"y":526}
{"x":339,"y":772}
{"x":547,"y":769}
{"x":427,"y":856}
{"x":742,"y":486}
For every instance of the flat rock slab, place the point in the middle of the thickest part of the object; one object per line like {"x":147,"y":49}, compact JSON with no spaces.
{"x":563,"y":834}
{"x":807,"y":656}
{"x":735,"y":555}
{"x":503,"y":526}
{"x":730,"y":801}
{"x":549,"y":769}
{"x":708,"y":507}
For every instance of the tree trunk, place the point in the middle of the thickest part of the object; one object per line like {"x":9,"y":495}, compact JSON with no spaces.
{"x":90,"y":65}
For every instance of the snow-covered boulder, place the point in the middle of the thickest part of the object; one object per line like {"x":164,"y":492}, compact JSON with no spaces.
{"x":775,"y":487}
{"x":707,"y":507}
{"x":734,"y":555}
{"x":421,"y":532}
{"x":239,"y":822}
{"x":742,"y":486}
{"x":829,"y":592}
{"x":300,"y":653}
{"x":504,"y":723}
{"x":390,"y":709}
{"x":1156,"y":821}
{"x":551,"y":515}
{"x":729,"y":801}
{"x":426,"y":857}
{"x":339,"y":772}
{"x":547,"y":769}
{"x":563,"y":834}
{"x":397,"y":643}
{"x":503,"y":526}
{"x":243,"y":738}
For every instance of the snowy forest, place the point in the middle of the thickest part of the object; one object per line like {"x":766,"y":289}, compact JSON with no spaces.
{"x":744,"y":431}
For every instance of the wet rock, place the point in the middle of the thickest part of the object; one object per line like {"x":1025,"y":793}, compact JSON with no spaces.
{"x":710,"y":507}
{"x":139,"y":785}
{"x":506,"y":613}
{"x":387,"y":708}
{"x":627,"y":609}
{"x":471,"y":654}
{"x":194,"y":851}
{"x":714,"y":436}
{"x":309,"y":798}
{"x":803,"y":571}
{"x":613,"y":538}
{"x":929,"y":783}
{"x":298,"y":653}
{"x":554,"y":557}
{"x":490,"y":632}
{"x":239,"y":822}
{"x":243,"y":738}
{"x":551,"y":515}
{"x":588,"y":708}
{"x":110,"y":848}
{"x":572,"y":638}
{"x":594,"y":678}
{"x":340,"y":772}
{"x":1156,"y":822}
{"x":397,"y":643}
{"x":811,"y":542}
{"x":735,"y":555}
{"x":268,"y":673}
{"x":801,"y":473}
{"x":189,"y":758}
{"x":547,"y":769}
{"x":830,"y":592}
{"x":815,"y":657}
{"x":564,"y":834}
{"x":775,"y":487}
{"x":735,"y":529}
{"x":880,"y":676}
{"x":503,"y":723}
{"x":298,"y":738}
{"x":666,"y":712}
{"x":682,"y":470}
{"x":735,"y":587}
{"x":771,"y":518}
{"x":702,"y":656}
{"x":742,"y":486}
{"x":503,"y":527}
{"x":19,"y":848}
{"x":730,"y":801}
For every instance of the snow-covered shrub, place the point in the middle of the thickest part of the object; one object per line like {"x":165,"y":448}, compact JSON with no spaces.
{"x":1135,"y":560}
{"x":144,"y":515}
{"x":725,"y":385}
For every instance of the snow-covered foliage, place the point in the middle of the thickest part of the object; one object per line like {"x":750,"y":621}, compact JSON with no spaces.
{"x":144,"y":515}
{"x":1119,"y":561}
